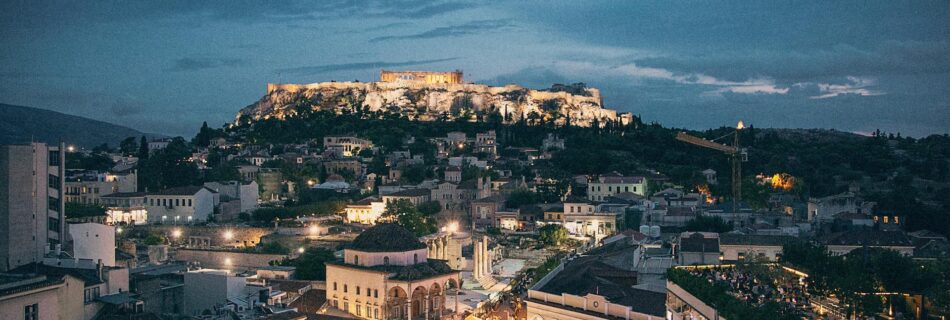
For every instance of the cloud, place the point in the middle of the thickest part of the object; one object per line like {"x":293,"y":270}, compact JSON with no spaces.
{"x":472,"y":27}
{"x":308,"y":70}
{"x":855,"y":86}
{"x":194,"y":64}
{"x":632,"y":70}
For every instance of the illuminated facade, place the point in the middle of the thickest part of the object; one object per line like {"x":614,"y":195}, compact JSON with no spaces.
{"x":427,"y":77}
{"x":386,"y":274}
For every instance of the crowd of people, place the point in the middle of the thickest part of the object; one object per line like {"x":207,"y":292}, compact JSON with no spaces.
{"x":760,"y":286}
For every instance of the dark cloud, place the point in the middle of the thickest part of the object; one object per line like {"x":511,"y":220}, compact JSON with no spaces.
{"x":473,"y":27}
{"x":194,"y":64}
{"x":310,"y":70}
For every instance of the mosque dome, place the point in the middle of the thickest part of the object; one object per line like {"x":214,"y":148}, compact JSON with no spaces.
{"x":387,"y":237}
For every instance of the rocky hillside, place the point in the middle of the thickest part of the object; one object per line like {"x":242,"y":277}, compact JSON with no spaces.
{"x":20,"y":124}
{"x":576,"y":103}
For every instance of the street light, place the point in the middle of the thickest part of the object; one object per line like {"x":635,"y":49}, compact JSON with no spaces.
{"x":176,"y":233}
{"x":300,"y":250}
{"x":314,"y":230}
{"x":228,"y":235}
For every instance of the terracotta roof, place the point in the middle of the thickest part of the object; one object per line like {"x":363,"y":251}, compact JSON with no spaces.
{"x":758,"y":240}
{"x":387,"y":237}
{"x":311,"y":301}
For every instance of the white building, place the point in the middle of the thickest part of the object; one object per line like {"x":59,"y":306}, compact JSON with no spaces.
{"x":365,"y":211}
{"x":181,"y":205}
{"x":247,"y":193}
{"x":609,"y":185}
{"x":93,"y":241}
{"x":346,"y":146}
{"x":125,"y":208}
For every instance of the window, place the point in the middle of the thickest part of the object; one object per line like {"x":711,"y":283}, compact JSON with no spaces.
{"x":375,"y":293}
{"x":356,"y":260}
{"x":368,"y":308}
{"x":189,"y":202}
{"x":886,"y":220}
{"x":54,"y":158}
{"x":385,"y":261}
{"x":369,"y":293}
{"x":53,"y":204}
{"x":334,"y":286}
{"x":359,"y":311}
{"x":357,"y":289}
{"x":31,"y":312}
{"x":346,"y":305}
{"x":91,"y":294}
{"x":53,"y":182}
{"x":375,"y":313}
{"x":52,"y":224}
{"x":415,"y":258}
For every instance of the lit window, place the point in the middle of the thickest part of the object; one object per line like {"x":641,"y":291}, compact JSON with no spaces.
{"x":886,"y":220}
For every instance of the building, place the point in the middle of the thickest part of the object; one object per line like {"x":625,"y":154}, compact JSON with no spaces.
{"x":589,"y":288}
{"x":484,"y":211}
{"x":85,"y":186}
{"x":32,"y":211}
{"x":698,"y":248}
{"x":844,"y":242}
{"x":346,"y":146}
{"x":93,"y":241}
{"x":552,"y":143}
{"x":365,"y":211}
{"x":126,"y":208}
{"x":33,"y":297}
{"x":414,"y":196}
{"x":612,"y":184}
{"x":87,"y":285}
{"x":158,"y":144}
{"x":486,"y":142}
{"x":421,"y":77}
{"x":739,"y":247}
{"x":452,"y":195}
{"x":181,"y":205}
{"x":245,"y":193}
{"x":385,"y":274}
{"x":206,"y":288}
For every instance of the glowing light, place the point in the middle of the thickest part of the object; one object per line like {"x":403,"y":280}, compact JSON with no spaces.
{"x":71,"y":148}
{"x":314,"y":230}
{"x":311,"y":182}
{"x":301,"y":250}
{"x":118,"y":230}
{"x":452,"y":227}
{"x":227,"y":261}
{"x":228,"y":235}
{"x":176,"y":233}
{"x":740,"y":125}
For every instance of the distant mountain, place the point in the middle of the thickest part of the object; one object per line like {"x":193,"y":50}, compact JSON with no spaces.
{"x":20,"y":124}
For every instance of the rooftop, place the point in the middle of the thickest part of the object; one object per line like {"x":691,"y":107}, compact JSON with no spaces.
{"x":386,"y":237}
{"x":181,"y":191}
{"x":588,"y":275}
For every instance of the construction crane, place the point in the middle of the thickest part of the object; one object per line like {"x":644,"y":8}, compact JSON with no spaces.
{"x":735,"y":152}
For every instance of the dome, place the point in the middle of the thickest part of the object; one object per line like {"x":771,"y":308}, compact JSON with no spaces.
{"x":387,"y":237}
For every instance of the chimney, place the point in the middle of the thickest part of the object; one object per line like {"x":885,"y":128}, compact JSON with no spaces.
{"x":59,"y":249}
{"x":99,"y":268}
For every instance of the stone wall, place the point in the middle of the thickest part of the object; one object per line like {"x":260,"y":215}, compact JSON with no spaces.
{"x":222,"y":259}
{"x":240,"y":236}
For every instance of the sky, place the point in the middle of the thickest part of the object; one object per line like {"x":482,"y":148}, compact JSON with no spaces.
{"x":167,"y":66}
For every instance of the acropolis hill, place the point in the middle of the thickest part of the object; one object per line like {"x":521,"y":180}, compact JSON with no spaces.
{"x":426,"y":95}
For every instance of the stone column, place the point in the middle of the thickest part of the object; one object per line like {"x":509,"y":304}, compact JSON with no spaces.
{"x":409,"y":308}
{"x":476,"y":255}
{"x":425,"y":306}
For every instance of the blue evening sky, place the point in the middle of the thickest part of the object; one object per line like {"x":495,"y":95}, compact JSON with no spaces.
{"x":166,"y":66}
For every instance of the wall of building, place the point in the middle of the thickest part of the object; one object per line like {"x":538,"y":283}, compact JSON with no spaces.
{"x":240,"y":236}
{"x":93,"y":241}
{"x":205,"y":288}
{"x":47,"y":299}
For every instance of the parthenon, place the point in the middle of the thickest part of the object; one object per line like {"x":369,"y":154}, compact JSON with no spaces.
{"x":429,"y":77}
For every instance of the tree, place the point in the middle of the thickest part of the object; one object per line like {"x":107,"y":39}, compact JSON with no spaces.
{"x":154,"y":239}
{"x":311,"y":265}
{"x":274,"y":247}
{"x":203,"y":138}
{"x":520,"y":198}
{"x":408,"y":216}
{"x":552,"y":235}
{"x":128,"y":146}
{"x":708,"y":224}
{"x":143,"y":148}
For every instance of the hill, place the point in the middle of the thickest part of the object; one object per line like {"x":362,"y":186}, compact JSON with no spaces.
{"x":19,"y":124}
{"x":576,"y":104}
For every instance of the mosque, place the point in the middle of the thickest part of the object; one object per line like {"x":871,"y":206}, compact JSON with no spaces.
{"x":386,"y":274}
